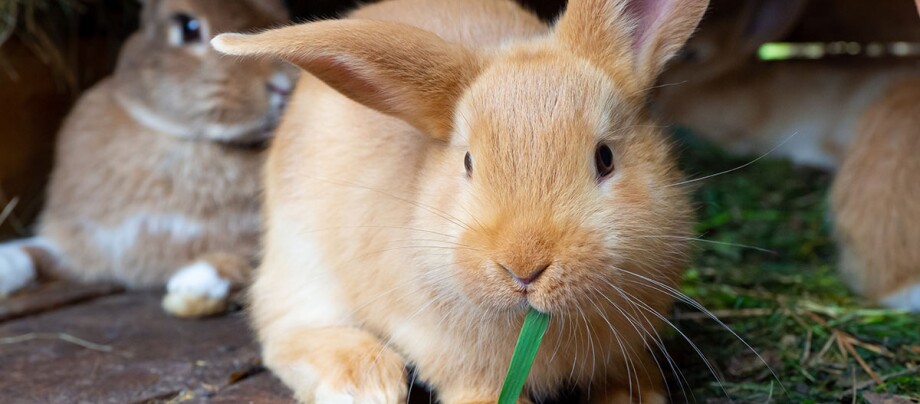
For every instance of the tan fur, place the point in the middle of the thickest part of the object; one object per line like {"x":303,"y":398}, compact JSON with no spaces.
{"x":876,"y":196}
{"x":380,"y":246}
{"x":131,"y":202}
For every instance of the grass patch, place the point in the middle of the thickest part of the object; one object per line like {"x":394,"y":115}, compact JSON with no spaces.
{"x":824,"y":343}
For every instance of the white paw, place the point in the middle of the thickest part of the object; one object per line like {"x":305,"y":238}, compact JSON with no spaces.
{"x":325,"y":394}
{"x":16,"y":269}
{"x":196,"y":290}
{"x":904,"y":299}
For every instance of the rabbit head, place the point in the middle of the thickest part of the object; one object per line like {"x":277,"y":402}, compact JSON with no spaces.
{"x":169,"y":78}
{"x":557,"y":184}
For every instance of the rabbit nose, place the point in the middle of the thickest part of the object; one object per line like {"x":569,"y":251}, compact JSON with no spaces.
{"x":280,"y":83}
{"x":527,"y":278}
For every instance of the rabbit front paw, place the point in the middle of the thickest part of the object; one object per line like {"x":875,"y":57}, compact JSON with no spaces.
{"x":336,"y":365}
{"x":196,"y":290}
{"x":381,"y":381}
{"x":17,"y":269}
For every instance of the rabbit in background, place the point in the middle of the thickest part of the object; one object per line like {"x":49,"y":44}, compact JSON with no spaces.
{"x":717,"y":88}
{"x":157,"y":169}
{"x":850,"y":117}
{"x":448,"y":165}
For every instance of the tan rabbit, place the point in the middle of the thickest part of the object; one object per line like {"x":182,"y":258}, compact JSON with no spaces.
{"x":876,"y":200}
{"x":156,"y":176}
{"x":451,"y":164}
{"x":832,"y":112}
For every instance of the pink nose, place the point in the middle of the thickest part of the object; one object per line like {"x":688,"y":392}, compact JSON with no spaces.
{"x":528,"y":278}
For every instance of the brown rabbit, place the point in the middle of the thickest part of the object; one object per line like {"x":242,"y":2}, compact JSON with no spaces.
{"x":156,"y":176}
{"x":458,"y":163}
{"x":854,"y":114}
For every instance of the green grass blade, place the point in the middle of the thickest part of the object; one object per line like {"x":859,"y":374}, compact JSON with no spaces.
{"x":525,"y":351}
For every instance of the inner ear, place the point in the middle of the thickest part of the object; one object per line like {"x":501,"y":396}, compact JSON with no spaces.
{"x":338,"y":72}
{"x":645,"y":14}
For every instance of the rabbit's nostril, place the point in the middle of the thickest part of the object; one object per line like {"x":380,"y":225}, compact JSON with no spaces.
{"x":528,"y":278}
{"x":276,"y":89}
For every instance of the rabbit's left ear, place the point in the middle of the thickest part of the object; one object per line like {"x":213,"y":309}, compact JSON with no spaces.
{"x":394,"y":68}
{"x":632,"y":37}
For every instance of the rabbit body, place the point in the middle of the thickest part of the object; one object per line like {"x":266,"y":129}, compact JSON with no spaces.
{"x":138,"y":218}
{"x":804,"y":110}
{"x":156,"y":176}
{"x":447,"y":173}
{"x":876,"y":200}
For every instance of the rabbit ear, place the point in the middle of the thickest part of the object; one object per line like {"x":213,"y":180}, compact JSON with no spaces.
{"x":394,"y":68}
{"x":767,"y":20}
{"x":638,"y":36}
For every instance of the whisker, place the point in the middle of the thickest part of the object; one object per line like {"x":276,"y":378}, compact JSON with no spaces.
{"x":715,"y":242}
{"x":433,"y":210}
{"x":686,"y":299}
{"x":699,"y":352}
{"x":634,"y":322}
{"x":762,"y":156}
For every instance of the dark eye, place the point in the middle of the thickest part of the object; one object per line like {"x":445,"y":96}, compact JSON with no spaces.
{"x":186,"y":30}
{"x":603,"y":160}
{"x":468,"y":163}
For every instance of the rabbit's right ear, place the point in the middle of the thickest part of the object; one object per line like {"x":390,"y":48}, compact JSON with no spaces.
{"x":394,"y":68}
{"x":629,"y":38}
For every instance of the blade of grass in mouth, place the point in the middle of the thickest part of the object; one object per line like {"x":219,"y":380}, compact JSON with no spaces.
{"x":525,"y":351}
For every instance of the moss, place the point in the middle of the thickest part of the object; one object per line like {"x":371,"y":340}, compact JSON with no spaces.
{"x":770,"y":276}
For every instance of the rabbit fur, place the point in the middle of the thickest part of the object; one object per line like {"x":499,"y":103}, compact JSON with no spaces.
{"x":156,"y":179}
{"x":388,"y":245}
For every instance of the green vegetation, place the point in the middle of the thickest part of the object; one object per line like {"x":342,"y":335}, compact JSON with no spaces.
{"x":525,"y":351}
{"x":824,"y":343}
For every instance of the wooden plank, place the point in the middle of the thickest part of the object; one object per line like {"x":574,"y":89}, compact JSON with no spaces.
{"x":121,"y":349}
{"x":124,"y":349}
{"x":262,"y":388}
{"x":52,"y":296}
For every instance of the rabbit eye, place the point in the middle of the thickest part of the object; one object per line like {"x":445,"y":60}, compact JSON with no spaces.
{"x":185,"y":30}
{"x":603,"y":160}
{"x":468,"y":163}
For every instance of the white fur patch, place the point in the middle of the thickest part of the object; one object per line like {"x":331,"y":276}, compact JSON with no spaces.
{"x":905,"y":299}
{"x":327,"y":395}
{"x":122,"y":238}
{"x":199,"y":279}
{"x":196,"y":290}
{"x":16,"y":269}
